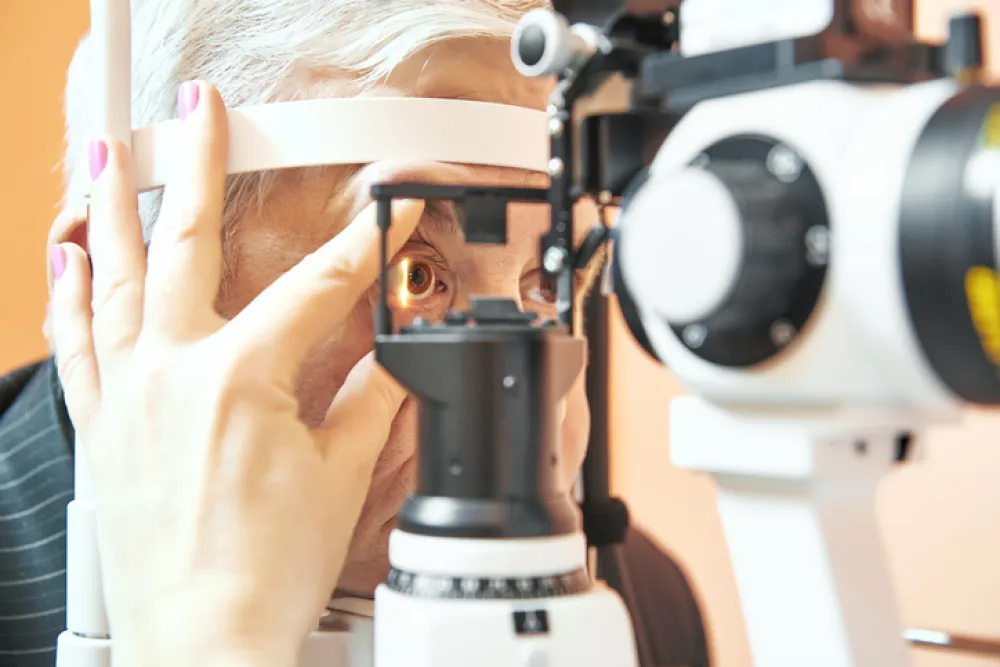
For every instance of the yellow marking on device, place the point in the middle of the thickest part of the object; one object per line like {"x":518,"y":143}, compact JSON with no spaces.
{"x":991,"y":127}
{"x":982,"y":291}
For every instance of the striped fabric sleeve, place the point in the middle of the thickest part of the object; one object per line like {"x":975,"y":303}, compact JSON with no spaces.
{"x":36,"y":483}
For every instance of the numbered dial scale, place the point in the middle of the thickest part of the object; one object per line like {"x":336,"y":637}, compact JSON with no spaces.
{"x":488,"y":588}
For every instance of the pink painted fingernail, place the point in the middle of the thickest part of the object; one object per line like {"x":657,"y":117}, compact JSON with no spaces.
{"x":97,"y":151}
{"x":187,"y":98}
{"x":57,"y":255}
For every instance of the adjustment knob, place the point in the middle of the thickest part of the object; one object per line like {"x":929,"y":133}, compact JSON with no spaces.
{"x":731,"y":252}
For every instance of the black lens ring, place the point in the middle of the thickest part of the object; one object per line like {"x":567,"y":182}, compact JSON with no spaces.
{"x":946,"y":231}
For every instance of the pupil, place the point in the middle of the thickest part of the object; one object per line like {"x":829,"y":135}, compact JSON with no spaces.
{"x":418,"y":277}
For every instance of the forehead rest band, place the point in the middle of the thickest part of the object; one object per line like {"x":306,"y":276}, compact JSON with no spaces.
{"x":359,"y":131}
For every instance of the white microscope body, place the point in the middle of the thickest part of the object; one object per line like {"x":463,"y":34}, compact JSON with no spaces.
{"x":773,"y":253}
{"x":798,"y":433}
{"x":815,"y":258}
{"x":798,"y":445}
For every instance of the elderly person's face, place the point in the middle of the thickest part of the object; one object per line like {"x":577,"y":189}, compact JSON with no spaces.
{"x":444,"y":274}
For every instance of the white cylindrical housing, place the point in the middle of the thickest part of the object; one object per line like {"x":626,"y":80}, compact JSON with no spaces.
{"x":86,"y":614}
{"x":85,"y":611}
{"x":456,"y":557}
{"x":692,"y":244}
{"x":858,"y":352}
{"x":75,"y":651}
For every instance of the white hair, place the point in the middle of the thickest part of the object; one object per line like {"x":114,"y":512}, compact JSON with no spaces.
{"x":254,"y":52}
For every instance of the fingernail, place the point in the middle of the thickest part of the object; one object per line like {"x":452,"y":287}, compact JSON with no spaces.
{"x":97,"y":151}
{"x":57,"y":255}
{"x":187,"y":98}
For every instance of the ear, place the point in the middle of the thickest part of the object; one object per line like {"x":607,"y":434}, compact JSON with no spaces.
{"x":65,"y":230}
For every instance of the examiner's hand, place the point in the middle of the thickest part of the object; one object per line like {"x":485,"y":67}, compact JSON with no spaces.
{"x":223,"y":520}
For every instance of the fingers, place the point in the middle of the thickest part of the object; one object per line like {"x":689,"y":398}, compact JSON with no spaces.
{"x":295,"y":312}
{"x":76,"y":361}
{"x":116,"y":248}
{"x":185,"y":253}
{"x":360,"y":418}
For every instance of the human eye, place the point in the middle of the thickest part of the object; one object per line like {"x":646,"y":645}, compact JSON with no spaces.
{"x":420,"y":282}
{"x":540,"y":301}
{"x":532,"y":292}
{"x":535,"y":298}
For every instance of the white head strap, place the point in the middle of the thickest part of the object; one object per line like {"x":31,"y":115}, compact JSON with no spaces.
{"x":360,"y":131}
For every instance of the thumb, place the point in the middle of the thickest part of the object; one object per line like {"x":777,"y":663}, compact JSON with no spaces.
{"x":360,"y":418}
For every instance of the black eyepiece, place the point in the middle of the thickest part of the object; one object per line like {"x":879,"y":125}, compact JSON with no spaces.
{"x":531,"y":46}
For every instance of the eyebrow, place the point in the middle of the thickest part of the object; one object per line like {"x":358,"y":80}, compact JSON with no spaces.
{"x":440,"y":217}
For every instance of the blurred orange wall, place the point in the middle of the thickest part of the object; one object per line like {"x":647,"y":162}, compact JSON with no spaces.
{"x":34,"y":54}
{"x":941,"y":517}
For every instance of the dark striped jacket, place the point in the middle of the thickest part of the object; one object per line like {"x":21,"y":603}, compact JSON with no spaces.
{"x":36,"y":483}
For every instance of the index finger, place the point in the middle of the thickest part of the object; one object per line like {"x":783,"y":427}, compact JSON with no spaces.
{"x":116,"y":250}
{"x":305,"y":304}
{"x":185,"y":252}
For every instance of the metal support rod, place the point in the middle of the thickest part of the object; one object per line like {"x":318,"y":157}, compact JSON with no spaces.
{"x":383,"y":315}
{"x":596,"y":465}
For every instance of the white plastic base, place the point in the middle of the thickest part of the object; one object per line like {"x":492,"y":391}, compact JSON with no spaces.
{"x":588,"y":630}
{"x":339,"y":647}
{"x":76,"y":651}
{"x":591,"y":629}
{"x":797,"y":502}
{"x":85,"y":612}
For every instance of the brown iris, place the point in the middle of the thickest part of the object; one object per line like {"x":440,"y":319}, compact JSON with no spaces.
{"x":416,"y":280}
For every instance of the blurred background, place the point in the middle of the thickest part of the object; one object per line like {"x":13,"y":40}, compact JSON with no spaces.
{"x":941,"y":516}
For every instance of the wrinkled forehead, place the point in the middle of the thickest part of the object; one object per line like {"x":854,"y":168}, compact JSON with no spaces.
{"x":501,"y":177}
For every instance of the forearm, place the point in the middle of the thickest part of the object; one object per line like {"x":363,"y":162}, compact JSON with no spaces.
{"x":195,"y":640}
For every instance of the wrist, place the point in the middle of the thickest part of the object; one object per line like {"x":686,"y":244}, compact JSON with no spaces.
{"x":221,"y":650}
{"x":209,"y":628}
{"x":224,"y":657}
